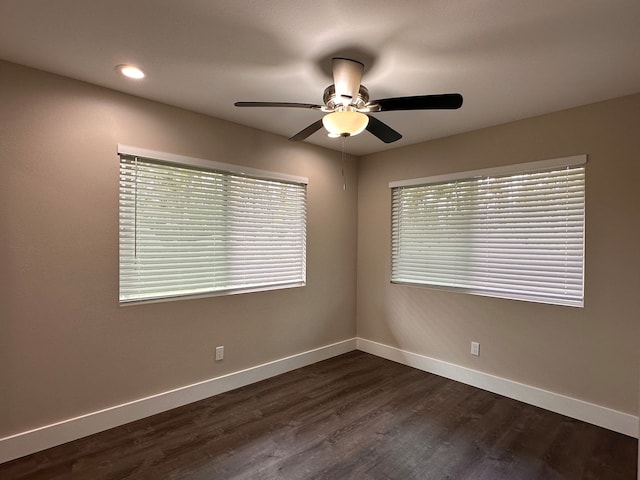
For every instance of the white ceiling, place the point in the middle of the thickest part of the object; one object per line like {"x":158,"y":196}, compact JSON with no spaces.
{"x":510,"y":59}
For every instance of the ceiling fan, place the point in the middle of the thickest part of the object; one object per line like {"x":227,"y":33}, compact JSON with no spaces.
{"x":348,"y":108}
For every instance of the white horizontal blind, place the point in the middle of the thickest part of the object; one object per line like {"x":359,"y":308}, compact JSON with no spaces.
{"x":192,"y":231}
{"x":517,"y":236}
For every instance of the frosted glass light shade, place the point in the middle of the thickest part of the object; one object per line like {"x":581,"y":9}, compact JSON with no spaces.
{"x":345,"y":123}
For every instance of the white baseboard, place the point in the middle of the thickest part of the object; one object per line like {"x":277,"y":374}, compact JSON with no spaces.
{"x":571,"y":407}
{"x":41,"y":438}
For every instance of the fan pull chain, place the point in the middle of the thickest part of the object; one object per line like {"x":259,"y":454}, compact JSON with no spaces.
{"x":344,"y":180}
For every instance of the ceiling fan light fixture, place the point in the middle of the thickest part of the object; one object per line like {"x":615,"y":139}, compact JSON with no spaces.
{"x":345,"y":123}
{"x":347,"y":107}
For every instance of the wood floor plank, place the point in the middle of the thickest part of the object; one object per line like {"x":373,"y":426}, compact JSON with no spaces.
{"x":355,"y":416}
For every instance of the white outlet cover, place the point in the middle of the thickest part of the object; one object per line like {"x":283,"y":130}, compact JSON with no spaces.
{"x":219,"y":353}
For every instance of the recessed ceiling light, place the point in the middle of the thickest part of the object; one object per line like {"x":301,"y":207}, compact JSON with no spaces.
{"x":130,"y":71}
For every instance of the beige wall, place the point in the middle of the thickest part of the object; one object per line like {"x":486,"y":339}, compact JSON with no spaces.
{"x":66,"y":347}
{"x":589,"y":353}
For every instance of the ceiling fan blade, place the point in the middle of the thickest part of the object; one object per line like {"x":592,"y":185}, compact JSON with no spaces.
{"x":381,"y":130}
{"x":347,"y":75}
{"x":311,"y":129}
{"x":278,"y":104}
{"x":446,"y":101}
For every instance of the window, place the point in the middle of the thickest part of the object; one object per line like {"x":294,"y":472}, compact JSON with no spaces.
{"x":511,"y":232}
{"x":194,"y":227}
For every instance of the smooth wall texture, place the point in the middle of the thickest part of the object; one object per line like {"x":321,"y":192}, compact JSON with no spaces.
{"x":588,"y":353}
{"x":66,"y":346}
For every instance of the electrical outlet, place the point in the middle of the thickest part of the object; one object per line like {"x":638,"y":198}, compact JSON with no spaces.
{"x":475,"y":348}
{"x":219,"y":353}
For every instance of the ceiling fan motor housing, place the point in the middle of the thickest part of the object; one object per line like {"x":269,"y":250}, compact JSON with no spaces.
{"x":332,"y":101}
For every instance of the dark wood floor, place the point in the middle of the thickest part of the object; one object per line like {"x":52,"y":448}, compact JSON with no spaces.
{"x":355,"y":416}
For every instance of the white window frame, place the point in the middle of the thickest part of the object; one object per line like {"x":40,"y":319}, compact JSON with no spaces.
{"x":245,"y":200}
{"x":449,"y":245}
